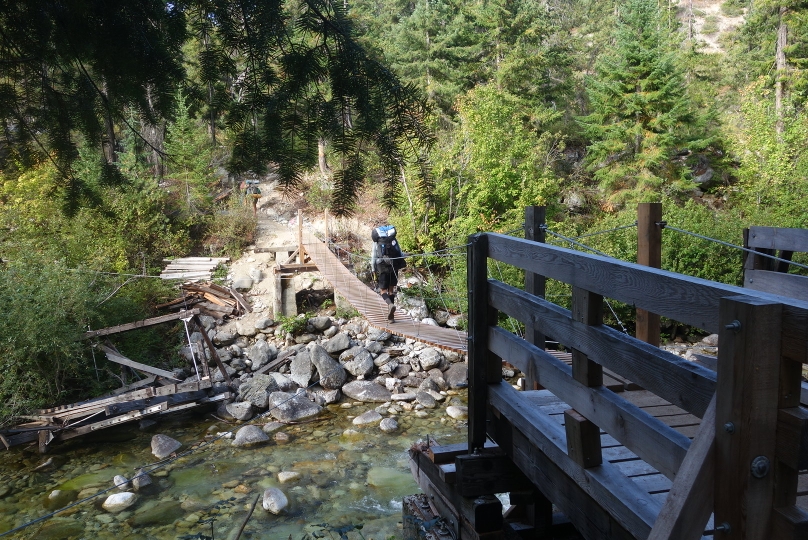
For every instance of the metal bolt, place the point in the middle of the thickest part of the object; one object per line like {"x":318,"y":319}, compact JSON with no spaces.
{"x":724,"y":527}
{"x":760,"y":466}
{"x":729,"y":427}
{"x":735,"y":326}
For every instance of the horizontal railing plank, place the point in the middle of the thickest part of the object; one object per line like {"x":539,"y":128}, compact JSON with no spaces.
{"x":685,"y":384}
{"x":778,"y":238}
{"x":792,"y":285}
{"x":685,"y":299}
{"x":630,"y":506}
{"x":660,"y":445}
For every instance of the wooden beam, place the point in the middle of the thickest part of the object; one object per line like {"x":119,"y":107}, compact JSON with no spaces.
{"x":778,"y":238}
{"x":689,"y":503}
{"x":791,"y":285}
{"x":746,"y":415}
{"x":535,"y":284}
{"x":140,"y":324}
{"x":649,"y":253}
{"x":486,"y":473}
{"x":479,"y":356}
{"x":583,"y":440}
{"x":118,"y":358}
{"x":297,"y":267}
{"x":790,"y":523}
{"x":448,"y":452}
{"x":212,"y":350}
{"x":671,"y":377}
{"x":587,"y":308}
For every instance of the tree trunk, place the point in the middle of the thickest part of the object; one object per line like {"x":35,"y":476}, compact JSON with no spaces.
{"x":109,"y":144}
{"x":325,"y":169}
{"x":782,"y":69}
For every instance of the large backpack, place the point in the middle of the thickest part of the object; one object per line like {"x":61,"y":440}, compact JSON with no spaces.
{"x":388,"y":253}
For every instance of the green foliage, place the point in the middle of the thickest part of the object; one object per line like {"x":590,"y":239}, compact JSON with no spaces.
{"x":46,"y":308}
{"x":293,"y":324}
{"x":230,"y":228}
{"x":639,"y":110}
{"x":733,"y":8}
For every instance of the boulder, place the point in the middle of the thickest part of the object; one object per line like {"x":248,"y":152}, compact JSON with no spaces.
{"x":457,"y":376}
{"x":374,"y":347}
{"x":452,"y":356}
{"x":241,"y":411}
{"x":301,"y":368}
{"x":121,"y":482}
{"x":239,"y":364}
{"x":216,"y":374}
{"x":320,"y":324}
{"x":379,"y":335}
{"x":389,"y":425}
{"x":287,"y":407}
{"x":327,"y":397}
{"x":426,"y":400}
{"x":426,"y":384}
{"x":429,"y":321}
{"x":262,"y":323}
{"x":366,"y":391}
{"x":246,"y":327}
{"x":250,"y":436}
{"x":261,"y":353}
{"x":275,"y":501}
{"x":332,"y":374}
{"x":389,"y":367}
{"x":141,"y":480}
{"x":711,"y":340}
{"x":457,"y":412}
{"x":370,"y":417}
{"x":403,"y":396}
{"x":441,"y":317}
{"x":330,"y":332}
{"x":349,"y":354}
{"x":223,"y":338}
{"x":119,"y":502}
{"x":303,"y":339}
{"x":163,"y":446}
{"x":429,"y":358}
{"x":360,"y":365}
{"x":285,"y":384}
{"x":257,"y":390}
{"x":338,"y":343}
{"x":243,"y":283}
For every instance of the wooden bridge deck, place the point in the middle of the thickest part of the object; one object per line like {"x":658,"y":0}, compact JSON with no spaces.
{"x":373,"y":308}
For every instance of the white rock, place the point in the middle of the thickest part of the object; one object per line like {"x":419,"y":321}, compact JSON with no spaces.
{"x":121,"y":483}
{"x":275,"y":500}
{"x":370,"y":417}
{"x":389,"y":425}
{"x":119,"y":502}
{"x":288,"y":476}
{"x":457,"y":412}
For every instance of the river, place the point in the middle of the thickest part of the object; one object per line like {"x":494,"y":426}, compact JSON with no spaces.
{"x":350,"y":485}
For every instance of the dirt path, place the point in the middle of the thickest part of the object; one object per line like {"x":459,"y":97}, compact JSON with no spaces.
{"x":277,"y":227}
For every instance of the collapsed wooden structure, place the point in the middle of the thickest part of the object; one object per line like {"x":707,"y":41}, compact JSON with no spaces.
{"x":731,"y":465}
{"x":158,"y":393}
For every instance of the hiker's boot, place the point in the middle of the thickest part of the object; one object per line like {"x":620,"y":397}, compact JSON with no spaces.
{"x":391,"y":306}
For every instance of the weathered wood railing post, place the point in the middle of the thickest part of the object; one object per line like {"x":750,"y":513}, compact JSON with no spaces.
{"x":649,"y":253}
{"x":484,"y":366}
{"x":534,"y":283}
{"x":747,"y":400}
{"x":583,"y":436}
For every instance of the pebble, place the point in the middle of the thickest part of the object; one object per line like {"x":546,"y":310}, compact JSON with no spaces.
{"x":288,"y":476}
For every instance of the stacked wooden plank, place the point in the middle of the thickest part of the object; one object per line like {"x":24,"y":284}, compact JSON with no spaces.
{"x":211,"y":299}
{"x":191,"y":268}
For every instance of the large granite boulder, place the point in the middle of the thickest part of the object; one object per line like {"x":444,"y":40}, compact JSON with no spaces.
{"x":250,"y":436}
{"x":257,"y":390}
{"x":457,"y":376}
{"x":360,"y":365}
{"x":320,"y":324}
{"x":429,"y":358}
{"x":301,"y":368}
{"x":332,"y":374}
{"x":286,"y":407}
{"x":261,"y":353}
{"x":241,"y":411}
{"x":338,"y":343}
{"x":367,"y":391}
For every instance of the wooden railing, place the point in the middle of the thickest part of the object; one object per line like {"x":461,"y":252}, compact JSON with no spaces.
{"x":771,"y":275}
{"x":743,"y":464}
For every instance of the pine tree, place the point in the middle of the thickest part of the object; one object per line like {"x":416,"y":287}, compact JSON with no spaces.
{"x":640,"y":109}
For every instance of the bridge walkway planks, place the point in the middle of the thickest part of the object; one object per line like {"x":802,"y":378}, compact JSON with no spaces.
{"x":373,"y":308}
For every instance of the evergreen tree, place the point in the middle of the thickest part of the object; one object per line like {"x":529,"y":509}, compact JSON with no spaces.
{"x":640,"y":110}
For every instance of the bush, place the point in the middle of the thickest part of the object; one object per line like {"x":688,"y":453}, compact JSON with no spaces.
{"x":732,"y":8}
{"x":231,"y":229}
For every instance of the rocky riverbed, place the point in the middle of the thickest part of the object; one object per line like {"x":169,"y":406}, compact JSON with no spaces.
{"x":321,"y":443}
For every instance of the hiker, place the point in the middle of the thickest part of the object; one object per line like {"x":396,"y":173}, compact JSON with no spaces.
{"x":253,"y":193}
{"x":385,"y":261}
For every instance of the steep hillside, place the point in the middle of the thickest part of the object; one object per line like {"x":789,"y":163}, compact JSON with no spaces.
{"x":709,"y":22}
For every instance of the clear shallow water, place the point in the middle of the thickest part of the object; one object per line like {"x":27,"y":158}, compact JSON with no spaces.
{"x":344,"y":482}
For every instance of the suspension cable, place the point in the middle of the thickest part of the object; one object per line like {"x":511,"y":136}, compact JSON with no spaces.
{"x":665,"y":225}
